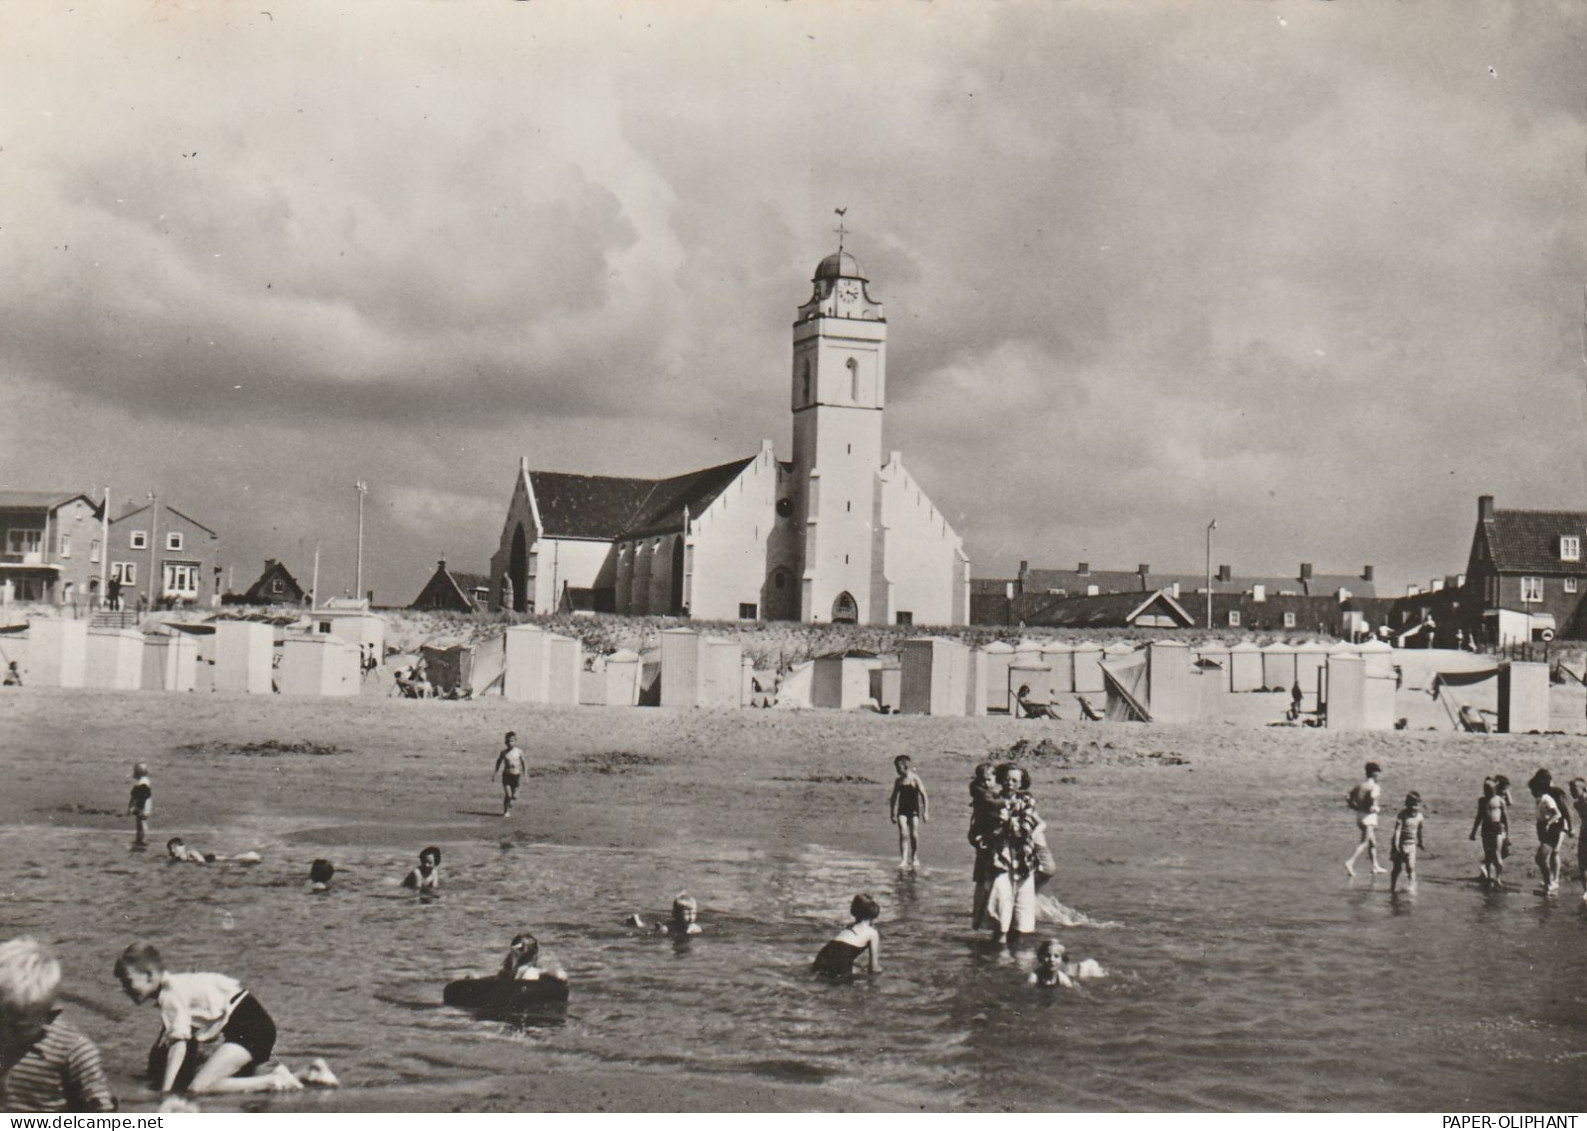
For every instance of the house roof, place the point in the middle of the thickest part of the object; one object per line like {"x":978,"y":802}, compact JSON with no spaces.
{"x":1105,"y":610}
{"x":611,"y":508}
{"x":169,"y":510}
{"x":1528,"y":541}
{"x":1075,"y":583}
{"x":40,"y":500}
{"x":468,"y":581}
{"x":273,"y":569}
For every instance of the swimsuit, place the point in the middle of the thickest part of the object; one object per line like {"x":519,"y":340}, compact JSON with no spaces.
{"x":836,"y":959}
{"x":907,"y":793}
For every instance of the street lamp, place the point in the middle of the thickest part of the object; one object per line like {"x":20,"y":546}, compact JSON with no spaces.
{"x":1211,"y":526}
{"x":363,"y":489}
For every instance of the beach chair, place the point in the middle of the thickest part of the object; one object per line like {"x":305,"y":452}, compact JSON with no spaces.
{"x":1091,"y":713}
{"x":1031,"y":709}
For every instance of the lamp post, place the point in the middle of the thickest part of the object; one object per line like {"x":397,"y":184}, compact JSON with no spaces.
{"x":1211,"y":526}
{"x":363,"y":489}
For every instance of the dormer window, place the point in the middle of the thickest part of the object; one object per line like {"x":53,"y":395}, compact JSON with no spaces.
{"x":1570,"y":548}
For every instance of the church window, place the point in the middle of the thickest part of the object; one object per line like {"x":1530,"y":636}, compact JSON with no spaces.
{"x":848,"y":507}
{"x":747,"y":610}
{"x":780,"y":579}
{"x":806,"y":397}
{"x":845,"y":559}
{"x":845,"y":610}
{"x":784,"y":507}
{"x":854,"y":380}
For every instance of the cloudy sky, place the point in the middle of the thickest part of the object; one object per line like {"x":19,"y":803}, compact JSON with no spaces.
{"x":1314,"y":269}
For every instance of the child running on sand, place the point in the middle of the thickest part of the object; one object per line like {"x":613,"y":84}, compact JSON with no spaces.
{"x":427,"y":876}
{"x":213,"y":1031}
{"x":1493,"y":821}
{"x":510,"y":765}
{"x":1405,"y":840}
{"x":910,"y":808}
{"x":1052,"y":970}
{"x":836,"y":959}
{"x":140,"y":805}
{"x":45,"y":1064}
{"x":1364,"y":800}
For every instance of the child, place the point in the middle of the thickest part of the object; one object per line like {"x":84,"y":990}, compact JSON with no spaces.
{"x":141,"y":804}
{"x":985,"y":807}
{"x":519,"y":965}
{"x":910,"y":808}
{"x":1493,"y":821}
{"x":213,"y":1030}
{"x":320,"y":874}
{"x":836,"y":959}
{"x":1578,"y":794}
{"x":1553,"y":822}
{"x":1364,"y":800}
{"x":1052,"y":970}
{"x":1405,"y":840}
{"x":510,"y":765}
{"x":177,"y":849}
{"x":45,"y":1064}
{"x":427,"y":876}
{"x":685,"y":910}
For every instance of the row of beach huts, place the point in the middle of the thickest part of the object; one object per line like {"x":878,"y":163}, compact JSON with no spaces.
{"x":1352,"y":687}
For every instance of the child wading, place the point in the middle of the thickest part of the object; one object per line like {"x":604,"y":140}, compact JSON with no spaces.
{"x":45,"y":1064}
{"x":141,"y":804}
{"x":1406,"y":839}
{"x":1493,"y":822}
{"x":910,"y":808}
{"x":1364,"y":800}
{"x":837,"y":958}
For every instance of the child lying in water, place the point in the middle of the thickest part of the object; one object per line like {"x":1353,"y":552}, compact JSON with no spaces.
{"x":1052,"y":970}
{"x":685,"y":910}
{"x":177,"y":849}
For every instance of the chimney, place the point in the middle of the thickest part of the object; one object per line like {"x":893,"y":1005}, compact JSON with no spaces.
{"x":1484,"y":507}
{"x":441,"y":565}
{"x":1024,"y":566}
{"x":1225,"y":573}
{"x":1305,"y":571}
{"x":1366,"y":573}
{"x":1085,"y":567}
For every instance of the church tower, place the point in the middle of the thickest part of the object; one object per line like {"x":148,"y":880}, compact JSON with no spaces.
{"x":839,"y":388}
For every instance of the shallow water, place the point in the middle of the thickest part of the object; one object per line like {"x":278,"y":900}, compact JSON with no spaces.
{"x":1244,"y":977}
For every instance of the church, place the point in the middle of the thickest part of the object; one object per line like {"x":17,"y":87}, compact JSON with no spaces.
{"x":841,"y":533}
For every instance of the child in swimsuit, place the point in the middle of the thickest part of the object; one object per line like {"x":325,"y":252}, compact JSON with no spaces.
{"x":685,"y":910}
{"x":141,"y":803}
{"x":519,"y":965}
{"x":1493,"y":822}
{"x":1578,"y":795}
{"x":909,"y":807}
{"x":1364,"y":800}
{"x":177,"y":849}
{"x":1553,"y":822}
{"x":1052,"y":970}
{"x":320,"y":875}
{"x":427,"y":876}
{"x":836,"y":959}
{"x":1406,"y":839}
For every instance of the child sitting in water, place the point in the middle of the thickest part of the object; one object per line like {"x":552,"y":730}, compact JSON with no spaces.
{"x":836,"y":959}
{"x":1405,"y":840}
{"x":519,"y":965}
{"x":214,"y":1034}
{"x":47,"y":1065}
{"x":685,"y":910}
{"x":427,"y":876}
{"x":1052,"y":970}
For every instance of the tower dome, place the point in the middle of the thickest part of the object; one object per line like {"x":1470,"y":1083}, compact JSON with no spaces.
{"x":840,"y":265}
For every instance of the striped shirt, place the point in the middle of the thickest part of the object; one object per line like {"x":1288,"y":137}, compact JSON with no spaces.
{"x":59,"y":1071}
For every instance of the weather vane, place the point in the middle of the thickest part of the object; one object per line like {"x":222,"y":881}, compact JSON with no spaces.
{"x":841,"y":230}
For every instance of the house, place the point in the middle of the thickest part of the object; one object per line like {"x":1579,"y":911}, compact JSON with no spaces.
{"x":740,"y":540}
{"x":1525,"y":577}
{"x":453,"y":590}
{"x":163,"y":556}
{"x":51,"y":547}
{"x":276,"y":586}
{"x":1156,"y":609}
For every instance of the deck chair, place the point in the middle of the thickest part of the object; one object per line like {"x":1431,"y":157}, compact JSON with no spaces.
{"x":1472,"y":721}
{"x":1090,"y":712}
{"x":1030,"y":709}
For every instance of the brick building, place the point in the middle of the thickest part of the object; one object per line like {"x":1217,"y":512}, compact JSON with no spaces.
{"x":1525,"y":577}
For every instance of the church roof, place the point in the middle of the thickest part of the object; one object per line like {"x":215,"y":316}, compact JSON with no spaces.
{"x":614,"y":508}
{"x":840,"y":265}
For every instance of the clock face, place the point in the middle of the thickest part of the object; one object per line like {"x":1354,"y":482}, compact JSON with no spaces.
{"x":849,"y":292}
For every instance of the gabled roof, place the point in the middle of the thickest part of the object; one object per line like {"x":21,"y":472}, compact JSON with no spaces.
{"x":450,"y":589}
{"x":1528,"y":541}
{"x":611,"y":508}
{"x":168,"y":510}
{"x":41,"y":500}
{"x":1074,"y":583}
{"x":273,"y":569}
{"x":1105,"y":610}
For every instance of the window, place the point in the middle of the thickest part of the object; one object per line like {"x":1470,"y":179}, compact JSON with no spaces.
{"x":139,"y":540}
{"x":276,"y":585}
{"x":806,"y":397}
{"x":1570,"y":585}
{"x":905,"y":618}
{"x":747,"y":610}
{"x":66,"y":545}
{"x":854,"y":380}
{"x":181,"y":580}
{"x":1570,"y":548}
{"x":780,"y":578}
{"x":124,"y":572}
{"x":173,"y":540}
{"x":93,"y":551}
{"x":1234,"y":618}
{"x":24,"y":541}
{"x":1531,"y":590}
{"x":1289,"y":620}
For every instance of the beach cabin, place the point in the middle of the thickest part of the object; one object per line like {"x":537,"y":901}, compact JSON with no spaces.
{"x":355,"y":625}
{"x":842,"y":680}
{"x":57,"y":652}
{"x":621,"y":677}
{"x":887,"y":683}
{"x":1173,"y":689}
{"x":1278,"y":666}
{"x":699,"y":672}
{"x":541,"y":667}
{"x":313,"y":663}
{"x":1088,"y":668}
{"x":995,"y":660}
{"x":1357,"y":699}
{"x":935,"y":677}
{"x":1523,"y":700}
{"x":1059,"y":659}
{"x":170,"y":662}
{"x":1216,"y":654}
{"x":244,"y":656}
{"x":114,"y":659}
{"x":1028,"y":670}
{"x":1245,"y":668}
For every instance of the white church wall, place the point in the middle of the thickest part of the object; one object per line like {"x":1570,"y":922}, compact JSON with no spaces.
{"x":923,"y":558}
{"x":563,"y":562}
{"x":727,"y":543}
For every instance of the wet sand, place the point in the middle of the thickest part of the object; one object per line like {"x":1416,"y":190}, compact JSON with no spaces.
{"x":406,"y":773}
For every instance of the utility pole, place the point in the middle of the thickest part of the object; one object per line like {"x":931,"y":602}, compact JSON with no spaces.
{"x":154,"y":538}
{"x":104,"y":553}
{"x":314,"y":586}
{"x":363,"y":489}
{"x":1211,"y":526}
